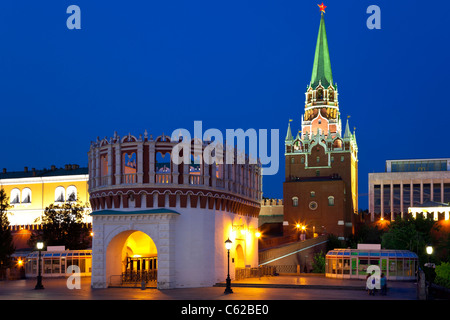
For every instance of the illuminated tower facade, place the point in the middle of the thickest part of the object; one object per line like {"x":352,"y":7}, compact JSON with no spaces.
{"x":321,"y":178}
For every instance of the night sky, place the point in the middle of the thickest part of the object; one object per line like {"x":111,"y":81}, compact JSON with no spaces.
{"x":161,"y":65}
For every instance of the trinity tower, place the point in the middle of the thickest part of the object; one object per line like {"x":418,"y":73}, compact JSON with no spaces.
{"x":321,"y":178}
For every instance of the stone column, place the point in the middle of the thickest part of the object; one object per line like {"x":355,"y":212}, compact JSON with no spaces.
{"x":118,"y":172}
{"x":98,"y":276}
{"x":110,"y":164}
{"x":151,"y":169}
{"x":401,"y":198}
{"x":392,"y":200}
{"x":140,"y":162}
{"x":382,"y":198}
{"x":166,"y":252}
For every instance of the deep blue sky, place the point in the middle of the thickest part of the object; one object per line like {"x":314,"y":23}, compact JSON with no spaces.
{"x":161,"y":65}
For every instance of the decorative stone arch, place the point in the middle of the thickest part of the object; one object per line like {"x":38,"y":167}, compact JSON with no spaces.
{"x":240,"y":256}
{"x":111,"y":232}
{"x":129,"y":138}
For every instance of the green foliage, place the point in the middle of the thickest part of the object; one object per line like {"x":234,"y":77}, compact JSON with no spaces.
{"x":318,"y":265}
{"x":6,"y":240}
{"x":63,"y":226}
{"x":369,"y":234}
{"x":443,"y":274}
{"x":334,"y":242}
{"x":413,"y":235}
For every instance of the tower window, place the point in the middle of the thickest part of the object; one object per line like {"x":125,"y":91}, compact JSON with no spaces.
{"x":318,"y":159}
{"x":317,"y":173}
{"x":332,"y":159}
{"x":313,"y":194}
{"x":331,"y":201}
{"x":342,"y":158}
{"x":295,"y":202}
{"x":292,"y":160}
{"x":59,"y":194}
{"x":15,"y":196}
{"x":302,"y":160}
{"x":26,"y":195}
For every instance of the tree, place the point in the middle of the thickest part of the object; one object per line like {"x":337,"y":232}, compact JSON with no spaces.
{"x":409,"y":234}
{"x":6,"y":241}
{"x":318,"y":265}
{"x":62,"y":225}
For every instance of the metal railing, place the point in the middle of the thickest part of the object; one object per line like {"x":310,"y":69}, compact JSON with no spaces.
{"x":244,"y":273}
{"x":136,"y":277}
{"x":129,"y":178}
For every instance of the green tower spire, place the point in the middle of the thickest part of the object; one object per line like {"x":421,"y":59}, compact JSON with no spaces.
{"x":322,"y":65}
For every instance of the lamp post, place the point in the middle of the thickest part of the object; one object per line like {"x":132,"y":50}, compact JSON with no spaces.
{"x":429,"y":250}
{"x":228,"y":244}
{"x":298,"y":231}
{"x":39,"y":246}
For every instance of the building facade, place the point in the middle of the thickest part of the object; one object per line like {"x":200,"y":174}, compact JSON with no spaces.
{"x":148,"y":207}
{"x":408,"y":183}
{"x":31,"y":191}
{"x":321,"y":178}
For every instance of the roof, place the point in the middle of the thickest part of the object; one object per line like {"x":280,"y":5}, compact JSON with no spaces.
{"x":44,"y":173}
{"x":371,"y":253}
{"x":117,"y":212}
{"x":431,"y":204}
{"x":322,"y":65}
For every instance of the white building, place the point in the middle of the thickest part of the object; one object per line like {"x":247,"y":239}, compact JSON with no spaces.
{"x":156,"y":220}
{"x":408,"y":183}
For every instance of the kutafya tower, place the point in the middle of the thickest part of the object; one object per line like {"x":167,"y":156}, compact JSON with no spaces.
{"x":321,"y":186}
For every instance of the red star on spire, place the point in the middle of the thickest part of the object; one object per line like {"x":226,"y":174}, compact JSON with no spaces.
{"x":322,"y":7}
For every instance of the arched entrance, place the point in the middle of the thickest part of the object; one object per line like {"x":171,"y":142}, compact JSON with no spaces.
{"x":131,"y":257}
{"x":240,"y":257}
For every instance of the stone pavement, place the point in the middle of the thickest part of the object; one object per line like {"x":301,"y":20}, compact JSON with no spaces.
{"x":302,"y":287}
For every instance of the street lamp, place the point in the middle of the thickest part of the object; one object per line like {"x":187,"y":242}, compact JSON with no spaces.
{"x":228,"y":244}
{"x":39,"y":246}
{"x":429,"y":250}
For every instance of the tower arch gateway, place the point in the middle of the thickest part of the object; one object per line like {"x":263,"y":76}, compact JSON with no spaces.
{"x":182,"y":213}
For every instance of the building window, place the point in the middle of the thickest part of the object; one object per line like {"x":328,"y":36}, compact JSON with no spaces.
{"x":26,"y":195}
{"x":313,"y":194}
{"x":331,"y":201}
{"x":295,"y":202}
{"x":15,"y":196}
{"x":332,"y":159}
{"x":72,"y":193}
{"x":302,"y":160}
{"x":318,"y":159}
{"x":342,"y":158}
{"x":317,"y":173}
{"x":59,"y":194}
{"x":292,"y":160}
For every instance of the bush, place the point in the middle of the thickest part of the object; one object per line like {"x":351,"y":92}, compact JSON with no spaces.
{"x":443,"y":275}
{"x":318,"y":265}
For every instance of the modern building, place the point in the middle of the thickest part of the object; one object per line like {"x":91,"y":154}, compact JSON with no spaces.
{"x":354,"y":263}
{"x":31,"y":191}
{"x":56,"y":262}
{"x":149,"y":211}
{"x":407,"y":184}
{"x":321,"y":178}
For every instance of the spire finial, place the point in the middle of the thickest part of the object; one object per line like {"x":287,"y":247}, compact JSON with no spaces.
{"x":322,"y":8}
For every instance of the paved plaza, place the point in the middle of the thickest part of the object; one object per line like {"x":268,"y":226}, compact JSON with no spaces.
{"x":303,"y":287}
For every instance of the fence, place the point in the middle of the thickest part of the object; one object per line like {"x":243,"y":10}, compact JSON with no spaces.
{"x":133,"y":278}
{"x":244,"y":273}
